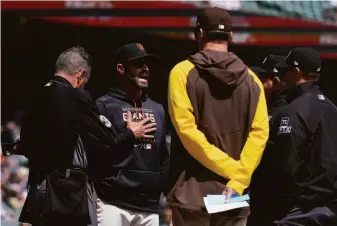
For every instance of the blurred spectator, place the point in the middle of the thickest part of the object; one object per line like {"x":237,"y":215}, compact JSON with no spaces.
{"x":10,"y":131}
{"x":330,"y":11}
{"x":14,"y":176}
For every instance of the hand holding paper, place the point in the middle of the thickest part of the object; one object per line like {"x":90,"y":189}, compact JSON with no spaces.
{"x":219,"y":203}
{"x":228,"y":192}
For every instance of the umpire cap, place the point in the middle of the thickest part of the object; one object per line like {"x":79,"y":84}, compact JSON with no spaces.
{"x":269,"y":67}
{"x":305,"y":58}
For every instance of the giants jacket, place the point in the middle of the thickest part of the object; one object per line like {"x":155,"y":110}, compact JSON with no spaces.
{"x":134,"y":175}
{"x":218,"y":109}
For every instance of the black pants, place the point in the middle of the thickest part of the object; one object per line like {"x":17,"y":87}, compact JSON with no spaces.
{"x":318,"y":216}
{"x":188,"y":217}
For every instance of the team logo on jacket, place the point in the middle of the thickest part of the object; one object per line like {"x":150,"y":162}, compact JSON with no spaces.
{"x":284,"y":126}
{"x":105,"y":121}
{"x":321,"y":97}
{"x":138,"y":114}
{"x":48,"y":84}
{"x":147,"y":146}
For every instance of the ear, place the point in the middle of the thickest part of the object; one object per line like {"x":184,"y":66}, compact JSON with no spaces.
{"x":277,"y":82}
{"x":120,"y":68}
{"x":80,"y":76}
{"x":199,"y":34}
{"x":297,"y":71}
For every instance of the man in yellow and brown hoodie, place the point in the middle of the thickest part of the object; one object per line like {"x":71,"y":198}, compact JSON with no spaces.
{"x":218,"y":109}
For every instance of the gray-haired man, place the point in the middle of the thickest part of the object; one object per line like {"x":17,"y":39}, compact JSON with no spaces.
{"x":69,"y":128}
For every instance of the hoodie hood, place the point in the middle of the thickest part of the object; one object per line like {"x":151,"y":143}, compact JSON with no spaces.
{"x":121,"y":95}
{"x":224,"y":66}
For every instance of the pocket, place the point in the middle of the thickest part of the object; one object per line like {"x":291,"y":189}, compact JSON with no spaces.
{"x":142,"y":181}
{"x":221,"y":128}
{"x":67,"y":196}
{"x":229,"y":139}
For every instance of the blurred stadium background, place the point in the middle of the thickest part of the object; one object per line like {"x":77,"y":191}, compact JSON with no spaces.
{"x":33,"y":34}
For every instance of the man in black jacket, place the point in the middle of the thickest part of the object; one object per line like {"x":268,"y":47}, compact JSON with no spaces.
{"x":302,"y":178}
{"x":132,"y":177}
{"x":271,"y":77}
{"x":61,"y":129}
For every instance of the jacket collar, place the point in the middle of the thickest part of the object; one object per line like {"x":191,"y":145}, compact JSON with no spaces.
{"x":278,"y":99}
{"x":303,"y":88}
{"x":120,"y":94}
{"x":61,"y":80}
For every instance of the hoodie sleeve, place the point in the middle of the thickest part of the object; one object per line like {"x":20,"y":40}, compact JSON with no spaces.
{"x":253,"y":149}
{"x":194,"y":141}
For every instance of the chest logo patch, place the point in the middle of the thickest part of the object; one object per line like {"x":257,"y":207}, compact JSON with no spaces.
{"x":105,"y":121}
{"x":48,"y":84}
{"x":284,"y":126}
{"x":321,"y":97}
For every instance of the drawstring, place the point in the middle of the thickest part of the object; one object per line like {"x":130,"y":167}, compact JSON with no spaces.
{"x":142,"y":108}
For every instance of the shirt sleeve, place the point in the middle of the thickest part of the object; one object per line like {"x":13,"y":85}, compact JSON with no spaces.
{"x":305,"y":147}
{"x":96,"y":126}
{"x":323,"y":175}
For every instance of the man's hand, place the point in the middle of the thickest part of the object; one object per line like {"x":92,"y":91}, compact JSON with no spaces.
{"x":140,"y":129}
{"x":229,"y":192}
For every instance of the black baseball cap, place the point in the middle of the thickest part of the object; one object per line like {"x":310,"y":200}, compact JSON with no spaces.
{"x":214,"y":19}
{"x":305,"y":58}
{"x":269,"y":67}
{"x":132,"y":51}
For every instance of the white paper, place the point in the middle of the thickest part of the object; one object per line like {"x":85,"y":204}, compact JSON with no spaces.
{"x":221,"y":199}
{"x":223,"y":207}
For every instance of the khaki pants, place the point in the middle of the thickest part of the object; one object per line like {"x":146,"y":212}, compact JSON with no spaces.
{"x":110,"y":215}
{"x":187,"y":217}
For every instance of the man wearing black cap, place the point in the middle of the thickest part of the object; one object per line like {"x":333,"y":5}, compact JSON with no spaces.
{"x":69,"y":130}
{"x":303,"y":150}
{"x":218,"y":109}
{"x":132,"y":178}
{"x":271,"y":77}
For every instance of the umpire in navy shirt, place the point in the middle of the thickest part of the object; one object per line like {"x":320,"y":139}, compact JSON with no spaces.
{"x":303,"y":148}
{"x":61,"y":129}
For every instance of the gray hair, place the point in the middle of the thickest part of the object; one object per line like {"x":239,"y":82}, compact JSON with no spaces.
{"x":73,"y":60}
